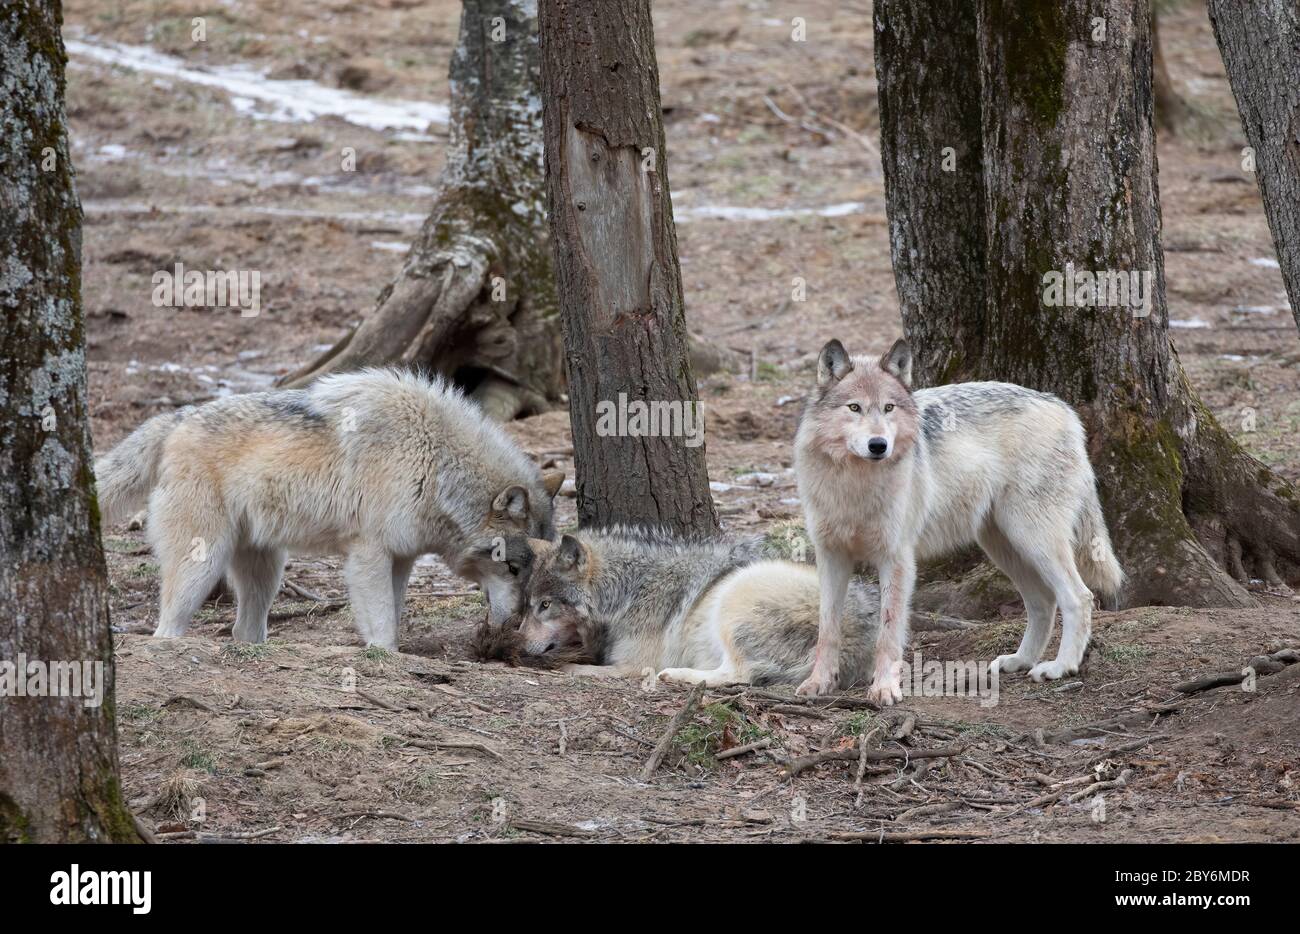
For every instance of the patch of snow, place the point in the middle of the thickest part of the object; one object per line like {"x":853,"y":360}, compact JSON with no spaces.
{"x":254,"y":94}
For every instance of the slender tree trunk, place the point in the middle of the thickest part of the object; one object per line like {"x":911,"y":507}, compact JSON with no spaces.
{"x":927,"y":67}
{"x":58,"y":759}
{"x":1069,"y":180}
{"x":475,"y":300}
{"x":1260,"y":44}
{"x":616,"y":264}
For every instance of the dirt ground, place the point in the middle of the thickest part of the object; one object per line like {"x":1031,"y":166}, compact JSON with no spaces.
{"x":270,"y":740}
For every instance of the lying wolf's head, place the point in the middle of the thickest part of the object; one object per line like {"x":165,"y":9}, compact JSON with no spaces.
{"x":560,"y":598}
{"x":499,"y":556}
{"x":862,"y":409}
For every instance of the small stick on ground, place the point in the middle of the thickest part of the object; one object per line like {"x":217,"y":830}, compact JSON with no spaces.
{"x":202,"y":837}
{"x":745,"y":749}
{"x":299,"y":591}
{"x":188,"y":702}
{"x":378,"y":815}
{"x":440,"y":744}
{"x":907,"y":836}
{"x":1101,"y":786}
{"x":675,"y":725}
{"x":549,"y":829}
{"x":796,"y":766}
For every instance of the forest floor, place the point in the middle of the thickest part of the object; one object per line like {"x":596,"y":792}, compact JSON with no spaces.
{"x":198,"y":153}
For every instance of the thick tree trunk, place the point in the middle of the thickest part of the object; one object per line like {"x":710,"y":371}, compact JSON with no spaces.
{"x":1069,"y":180}
{"x":616,"y":265}
{"x":475,"y":300}
{"x":58,"y":759}
{"x":1260,"y":44}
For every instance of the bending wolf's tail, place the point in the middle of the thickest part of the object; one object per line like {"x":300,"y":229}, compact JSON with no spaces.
{"x":127,"y":474}
{"x":1098,"y":566}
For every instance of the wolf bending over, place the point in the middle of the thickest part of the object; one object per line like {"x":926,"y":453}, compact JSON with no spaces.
{"x":889,"y":476}
{"x":380,"y":465}
{"x":691,"y":611}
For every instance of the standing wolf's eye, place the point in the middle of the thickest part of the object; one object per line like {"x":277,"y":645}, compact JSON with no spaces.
{"x":543,"y":605}
{"x":514,"y":570}
{"x":854,"y":407}
{"x":889,"y":406}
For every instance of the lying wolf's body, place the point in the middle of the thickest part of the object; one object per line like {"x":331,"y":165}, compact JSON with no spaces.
{"x":379,"y":465}
{"x":889,"y":477}
{"x":691,"y":611}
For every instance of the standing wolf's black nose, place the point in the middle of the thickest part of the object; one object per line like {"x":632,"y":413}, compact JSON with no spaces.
{"x":877,"y":447}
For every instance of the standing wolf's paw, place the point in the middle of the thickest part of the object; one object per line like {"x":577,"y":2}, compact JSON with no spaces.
{"x":885,"y":691}
{"x":821,"y":681}
{"x":1010,"y":664}
{"x":1050,"y":671}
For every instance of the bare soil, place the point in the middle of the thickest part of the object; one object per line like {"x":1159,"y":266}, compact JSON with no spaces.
{"x":271,"y":736}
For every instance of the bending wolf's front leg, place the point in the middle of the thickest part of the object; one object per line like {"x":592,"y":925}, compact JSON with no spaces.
{"x":368,"y":572}
{"x":833,"y":570}
{"x":897,"y":578}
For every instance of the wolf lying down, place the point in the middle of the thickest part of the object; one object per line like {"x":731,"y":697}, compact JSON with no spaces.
{"x":633,"y":601}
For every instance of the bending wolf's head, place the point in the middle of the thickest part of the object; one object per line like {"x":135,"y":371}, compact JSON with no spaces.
{"x":862,"y":409}
{"x":500,"y":557}
{"x":560,"y":598}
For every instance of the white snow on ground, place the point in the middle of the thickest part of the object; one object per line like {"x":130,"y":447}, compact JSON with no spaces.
{"x":1265,"y":262}
{"x":730,"y":213}
{"x":252,"y":93}
{"x":1189,"y":323}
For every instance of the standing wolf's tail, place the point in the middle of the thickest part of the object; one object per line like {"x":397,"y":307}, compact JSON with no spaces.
{"x":127,"y":474}
{"x":1096,"y":559}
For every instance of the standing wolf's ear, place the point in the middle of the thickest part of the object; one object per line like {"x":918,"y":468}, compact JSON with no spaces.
{"x":571,"y":555}
{"x":512,"y":502}
{"x":833,"y":363}
{"x":552,"y":480}
{"x":897,"y":362}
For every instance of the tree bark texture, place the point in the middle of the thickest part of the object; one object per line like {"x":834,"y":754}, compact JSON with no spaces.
{"x":58,"y":759}
{"x":1260,"y":45}
{"x":616,"y":263}
{"x":1068,"y":172}
{"x":475,"y":300}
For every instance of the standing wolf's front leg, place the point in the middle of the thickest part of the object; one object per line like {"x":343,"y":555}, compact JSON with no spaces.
{"x":369,"y":575}
{"x":833,"y":570}
{"x":897,"y":577}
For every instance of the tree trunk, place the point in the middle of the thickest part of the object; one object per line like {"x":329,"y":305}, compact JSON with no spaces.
{"x":616,"y":266}
{"x":1069,"y":179}
{"x":58,"y":759}
{"x":475,"y":300}
{"x":1260,"y":44}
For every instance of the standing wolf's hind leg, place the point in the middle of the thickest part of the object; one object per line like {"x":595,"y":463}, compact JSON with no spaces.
{"x":1040,"y":603}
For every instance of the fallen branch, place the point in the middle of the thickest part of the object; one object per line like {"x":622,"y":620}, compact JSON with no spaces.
{"x":745,"y":749}
{"x":794,"y":767}
{"x":549,"y":829}
{"x":906,"y":836}
{"x":449,"y":744}
{"x":299,"y":591}
{"x":675,"y":725}
{"x":200,"y":836}
{"x":378,"y":815}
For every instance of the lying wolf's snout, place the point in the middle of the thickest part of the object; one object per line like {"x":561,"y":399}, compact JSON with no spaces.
{"x":877,"y":447}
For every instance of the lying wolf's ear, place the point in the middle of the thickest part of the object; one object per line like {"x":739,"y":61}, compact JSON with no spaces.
{"x":833,"y":363}
{"x":571,"y":555}
{"x":512,"y":502}
{"x":897,"y":362}
{"x":552,"y":480}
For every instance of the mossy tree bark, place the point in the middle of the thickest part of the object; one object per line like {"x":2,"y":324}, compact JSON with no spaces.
{"x":58,"y":759}
{"x":475,"y":300}
{"x":616,"y":263}
{"x":1067,"y":164}
{"x":1260,"y":45}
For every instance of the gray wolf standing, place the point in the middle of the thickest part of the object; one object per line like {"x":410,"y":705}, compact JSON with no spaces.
{"x":889,"y":476}
{"x":642,"y":602}
{"x":379,"y":465}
